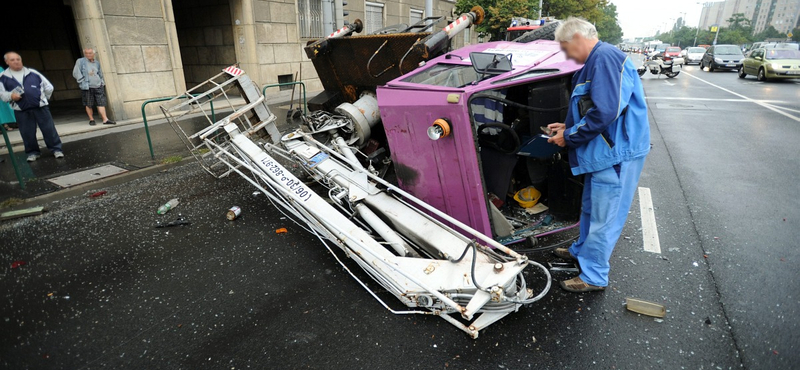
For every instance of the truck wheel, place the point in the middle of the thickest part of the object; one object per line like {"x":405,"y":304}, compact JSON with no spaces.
{"x":546,"y":32}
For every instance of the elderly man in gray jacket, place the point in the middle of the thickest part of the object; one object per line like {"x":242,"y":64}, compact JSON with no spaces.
{"x":89,"y":75}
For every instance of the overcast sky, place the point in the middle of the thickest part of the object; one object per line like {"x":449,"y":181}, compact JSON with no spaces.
{"x":645,"y":17}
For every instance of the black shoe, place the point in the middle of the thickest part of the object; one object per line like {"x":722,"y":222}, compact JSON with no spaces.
{"x":109,"y":122}
{"x":91,"y":123}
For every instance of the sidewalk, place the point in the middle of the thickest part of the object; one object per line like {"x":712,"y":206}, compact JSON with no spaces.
{"x":121,"y":148}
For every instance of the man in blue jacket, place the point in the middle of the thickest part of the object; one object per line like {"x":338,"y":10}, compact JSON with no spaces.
{"x":27,"y":91}
{"x":608,"y":136}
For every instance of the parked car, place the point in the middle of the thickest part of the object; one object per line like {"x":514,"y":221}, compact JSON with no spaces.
{"x":694,"y":54}
{"x":770,"y":63}
{"x":722,"y":57}
{"x":672,"y":52}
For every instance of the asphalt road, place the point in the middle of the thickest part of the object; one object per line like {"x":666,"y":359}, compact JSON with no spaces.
{"x":220,"y":294}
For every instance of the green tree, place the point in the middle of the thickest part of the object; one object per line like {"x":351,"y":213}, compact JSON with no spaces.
{"x":592,"y":10}
{"x":769,"y":33}
{"x":608,"y":28}
{"x":796,"y":34}
{"x":499,"y":14}
{"x":738,"y":21}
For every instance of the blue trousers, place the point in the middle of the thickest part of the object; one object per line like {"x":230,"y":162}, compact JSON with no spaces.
{"x":607,"y":198}
{"x":28,"y":120}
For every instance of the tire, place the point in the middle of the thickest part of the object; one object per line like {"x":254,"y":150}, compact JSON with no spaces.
{"x":672,"y":74}
{"x":762,"y":75}
{"x":641,"y":72}
{"x":741,"y":72}
{"x":546,"y":32}
{"x":711,"y":67}
{"x":702,"y":67}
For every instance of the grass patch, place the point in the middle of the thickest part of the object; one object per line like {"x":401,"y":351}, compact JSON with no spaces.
{"x":172,"y":159}
{"x":11,"y":202}
{"x":202,"y":151}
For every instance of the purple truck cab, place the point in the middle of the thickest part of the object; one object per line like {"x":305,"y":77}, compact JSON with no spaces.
{"x":457,"y":172}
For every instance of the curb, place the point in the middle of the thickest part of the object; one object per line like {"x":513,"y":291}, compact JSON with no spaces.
{"x":43,"y":199}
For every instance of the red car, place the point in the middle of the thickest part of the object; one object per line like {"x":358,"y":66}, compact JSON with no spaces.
{"x":672,"y":52}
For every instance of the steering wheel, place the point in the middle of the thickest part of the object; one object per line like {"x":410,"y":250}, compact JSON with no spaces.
{"x":506,"y":141}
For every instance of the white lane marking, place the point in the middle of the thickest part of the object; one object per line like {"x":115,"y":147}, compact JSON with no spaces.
{"x":784,"y":108}
{"x":649,"y":229}
{"x":712,"y":99}
{"x":776,"y":110}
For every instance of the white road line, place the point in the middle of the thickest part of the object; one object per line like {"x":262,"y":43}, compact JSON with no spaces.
{"x":712,"y":99}
{"x":649,"y":230}
{"x":776,"y":110}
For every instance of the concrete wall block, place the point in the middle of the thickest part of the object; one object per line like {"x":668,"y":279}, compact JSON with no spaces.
{"x":261,"y":10}
{"x":157,"y":58}
{"x":142,"y":86}
{"x":312,"y":85}
{"x":148,"y":8}
{"x":57,"y":79}
{"x":308,"y":70}
{"x":117,"y":7}
{"x":270,"y":72}
{"x":266,"y":54}
{"x":221,"y":15}
{"x":56,"y":59}
{"x":271,"y":33}
{"x":128,"y":59}
{"x":205,"y":55}
{"x":189,"y":55}
{"x":286,"y":53}
{"x":291,"y":33}
{"x":283,"y":12}
{"x":136,"y":31}
{"x":213,"y":36}
{"x":225,"y":55}
{"x":31,"y":59}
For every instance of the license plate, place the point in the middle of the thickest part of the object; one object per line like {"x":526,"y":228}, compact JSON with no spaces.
{"x":730,"y":65}
{"x":793,"y":73}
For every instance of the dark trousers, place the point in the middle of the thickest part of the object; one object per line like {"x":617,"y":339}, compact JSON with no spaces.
{"x":28,"y":120}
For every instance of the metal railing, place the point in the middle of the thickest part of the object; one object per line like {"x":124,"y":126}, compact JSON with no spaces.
{"x":302,"y":85}
{"x":13,"y":159}
{"x":147,"y":128}
{"x":213,"y":115}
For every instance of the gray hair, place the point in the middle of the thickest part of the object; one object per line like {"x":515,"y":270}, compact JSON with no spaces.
{"x":5,"y":56}
{"x":572,"y":26}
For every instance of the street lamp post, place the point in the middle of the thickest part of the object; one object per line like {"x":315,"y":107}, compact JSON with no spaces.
{"x":698,"y":26}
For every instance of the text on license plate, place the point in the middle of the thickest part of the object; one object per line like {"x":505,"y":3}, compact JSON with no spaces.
{"x":730,"y":65}
{"x":793,"y":73}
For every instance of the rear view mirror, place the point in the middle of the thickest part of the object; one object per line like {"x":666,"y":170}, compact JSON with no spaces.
{"x":491,"y":64}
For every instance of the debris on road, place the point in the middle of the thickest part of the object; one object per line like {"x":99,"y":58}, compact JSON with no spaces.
{"x":233,"y":213}
{"x":167,"y":207}
{"x":98,"y":194}
{"x":16,"y":264}
{"x":645,"y":308}
{"x":281,"y":231}
{"x":178,"y":222}
{"x":10,"y":215}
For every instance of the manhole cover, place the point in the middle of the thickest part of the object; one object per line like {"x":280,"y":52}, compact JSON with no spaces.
{"x":85,"y":176}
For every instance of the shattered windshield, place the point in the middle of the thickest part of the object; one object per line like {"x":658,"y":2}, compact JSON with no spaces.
{"x":448,"y":75}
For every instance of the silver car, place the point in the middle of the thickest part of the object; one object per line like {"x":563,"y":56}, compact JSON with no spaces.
{"x":694,"y":55}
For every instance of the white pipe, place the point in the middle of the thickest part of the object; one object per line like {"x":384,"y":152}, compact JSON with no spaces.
{"x":428,"y":8}
{"x":348,"y":153}
{"x":391,"y":237}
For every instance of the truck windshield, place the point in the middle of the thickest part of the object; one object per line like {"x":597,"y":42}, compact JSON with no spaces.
{"x":448,"y":75}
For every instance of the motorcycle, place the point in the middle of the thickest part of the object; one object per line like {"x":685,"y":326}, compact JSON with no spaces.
{"x":660,"y":65}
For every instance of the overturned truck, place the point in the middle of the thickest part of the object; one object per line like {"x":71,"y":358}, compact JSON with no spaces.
{"x":421,"y":164}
